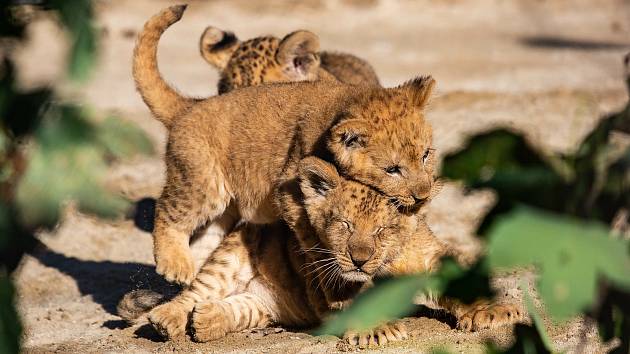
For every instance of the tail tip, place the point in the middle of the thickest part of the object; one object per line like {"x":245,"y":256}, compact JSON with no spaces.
{"x":178,"y":10}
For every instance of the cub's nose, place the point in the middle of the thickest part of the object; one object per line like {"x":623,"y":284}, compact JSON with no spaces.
{"x":358,"y":262}
{"x":360,"y":255}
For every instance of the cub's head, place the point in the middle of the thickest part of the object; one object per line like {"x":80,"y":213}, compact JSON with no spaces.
{"x":260,"y":60}
{"x":360,"y":232}
{"x":383,"y":140}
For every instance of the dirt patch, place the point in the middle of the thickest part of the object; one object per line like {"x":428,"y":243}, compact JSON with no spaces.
{"x":551,"y":69}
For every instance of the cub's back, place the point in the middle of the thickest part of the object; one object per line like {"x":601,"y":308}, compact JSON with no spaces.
{"x":257,"y":125}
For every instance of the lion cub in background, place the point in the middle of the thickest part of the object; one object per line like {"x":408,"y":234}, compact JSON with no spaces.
{"x":229,"y":154}
{"x":296,"y":57}
{"x":262,"y":275}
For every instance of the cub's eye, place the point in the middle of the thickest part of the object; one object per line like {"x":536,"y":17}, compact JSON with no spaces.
{"x":425,"y":157}
{"x":346,"y":224}
{"x":393,"y":170}
{"x":378,"y":231}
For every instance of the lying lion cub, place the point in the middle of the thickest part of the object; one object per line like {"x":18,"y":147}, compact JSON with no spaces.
{"x":228,"y":154}
{"x":264,"y":275}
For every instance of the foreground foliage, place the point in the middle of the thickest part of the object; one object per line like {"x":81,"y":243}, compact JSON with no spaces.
{"x":50,"y":152}
{"x":553,"y":212}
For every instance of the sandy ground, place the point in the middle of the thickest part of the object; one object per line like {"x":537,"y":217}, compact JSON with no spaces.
{"x":550,"y":68}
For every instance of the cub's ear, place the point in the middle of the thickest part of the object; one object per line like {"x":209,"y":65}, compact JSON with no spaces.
{"x":317,"y":178}
{"x":217,"y":46}
{"x":419,"y":90}
{"x":350,"y":133}
{"x":298,"y":55}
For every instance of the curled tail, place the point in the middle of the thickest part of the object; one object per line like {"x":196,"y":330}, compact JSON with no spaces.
{"x":163,"y":100}
{"x":136,"y":303}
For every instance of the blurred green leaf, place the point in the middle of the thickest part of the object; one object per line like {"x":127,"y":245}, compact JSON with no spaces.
{"x":393,"y":298}
{"x":77,"y":16}
{"x":574,"y":257}
{"x":56,"y":176}
{"x":500,"y":158}
{"x":14,"y":240}
{"x":123,"y":139}
{"x":22,"y":112}
{"x":613,"y":318}
{"x":66,"y":162}
{"x":389,"y":299}
{"x":66,"y":127}
{"x":10,"y":328}
{"x":465,"y":285}
{"x":9,"y":27}
{"x":6,"y":225}
{"x":504,"y":161}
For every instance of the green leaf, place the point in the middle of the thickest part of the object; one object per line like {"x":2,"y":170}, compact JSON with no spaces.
{"x":465,"y":285}
{"x":504,"y":161}
{"x":390,"y":299}
{"x":23,"y":111}
{"x":6,"y":226}
{"x":10,"y":327}
{"x":76,"y":15}
{"x":570,"y":255}
{"x":9,"y":26}
{"x":123,"y":139}
{"x":67,"y":162}
{"x":14,"y":240}
{"x":83,"y":53}
{"x":393,"y":298}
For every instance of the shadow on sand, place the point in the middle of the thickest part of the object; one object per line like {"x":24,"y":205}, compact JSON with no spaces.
{"x":107,"y":282}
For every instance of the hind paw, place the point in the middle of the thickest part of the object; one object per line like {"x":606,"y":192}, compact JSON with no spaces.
{"x":490,"y":316}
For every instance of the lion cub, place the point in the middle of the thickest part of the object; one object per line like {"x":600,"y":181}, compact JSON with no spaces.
{"x":264,"y":275}
{"x":253,"y":62}
{"x":230,"y":153}
{"x":266,"y":59}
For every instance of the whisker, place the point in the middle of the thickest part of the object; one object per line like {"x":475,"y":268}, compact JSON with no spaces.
{"x":310,"y":264}
{"x":332,"y":274}
{"x":321,"y":268}
{"x":324,"y":275}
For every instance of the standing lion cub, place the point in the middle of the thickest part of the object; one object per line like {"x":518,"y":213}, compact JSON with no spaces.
{"x":230,"y":153}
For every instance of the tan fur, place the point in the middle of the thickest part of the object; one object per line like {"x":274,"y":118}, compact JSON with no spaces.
{"x":348,"y":68}
{"x":236,"y":149}
{"x":253,"y":62}
{"x":264,"y":60}
{"x":163,"y":101}
{"x":264,"y":275}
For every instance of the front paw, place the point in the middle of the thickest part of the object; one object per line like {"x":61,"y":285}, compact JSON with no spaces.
{"x":379,"y":336}
{"x":490,"y":316}
{"x":169,"y":319}
{"x":210,"y":320}
{"x":176,"y":264}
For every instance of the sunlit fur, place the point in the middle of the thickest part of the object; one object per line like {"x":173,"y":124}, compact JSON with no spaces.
{"x":256,"y":61}
{"x":266,"y":59}
{"x":233,"y":152}
{"x":391,"y":132}
{"x":265,"y":275}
